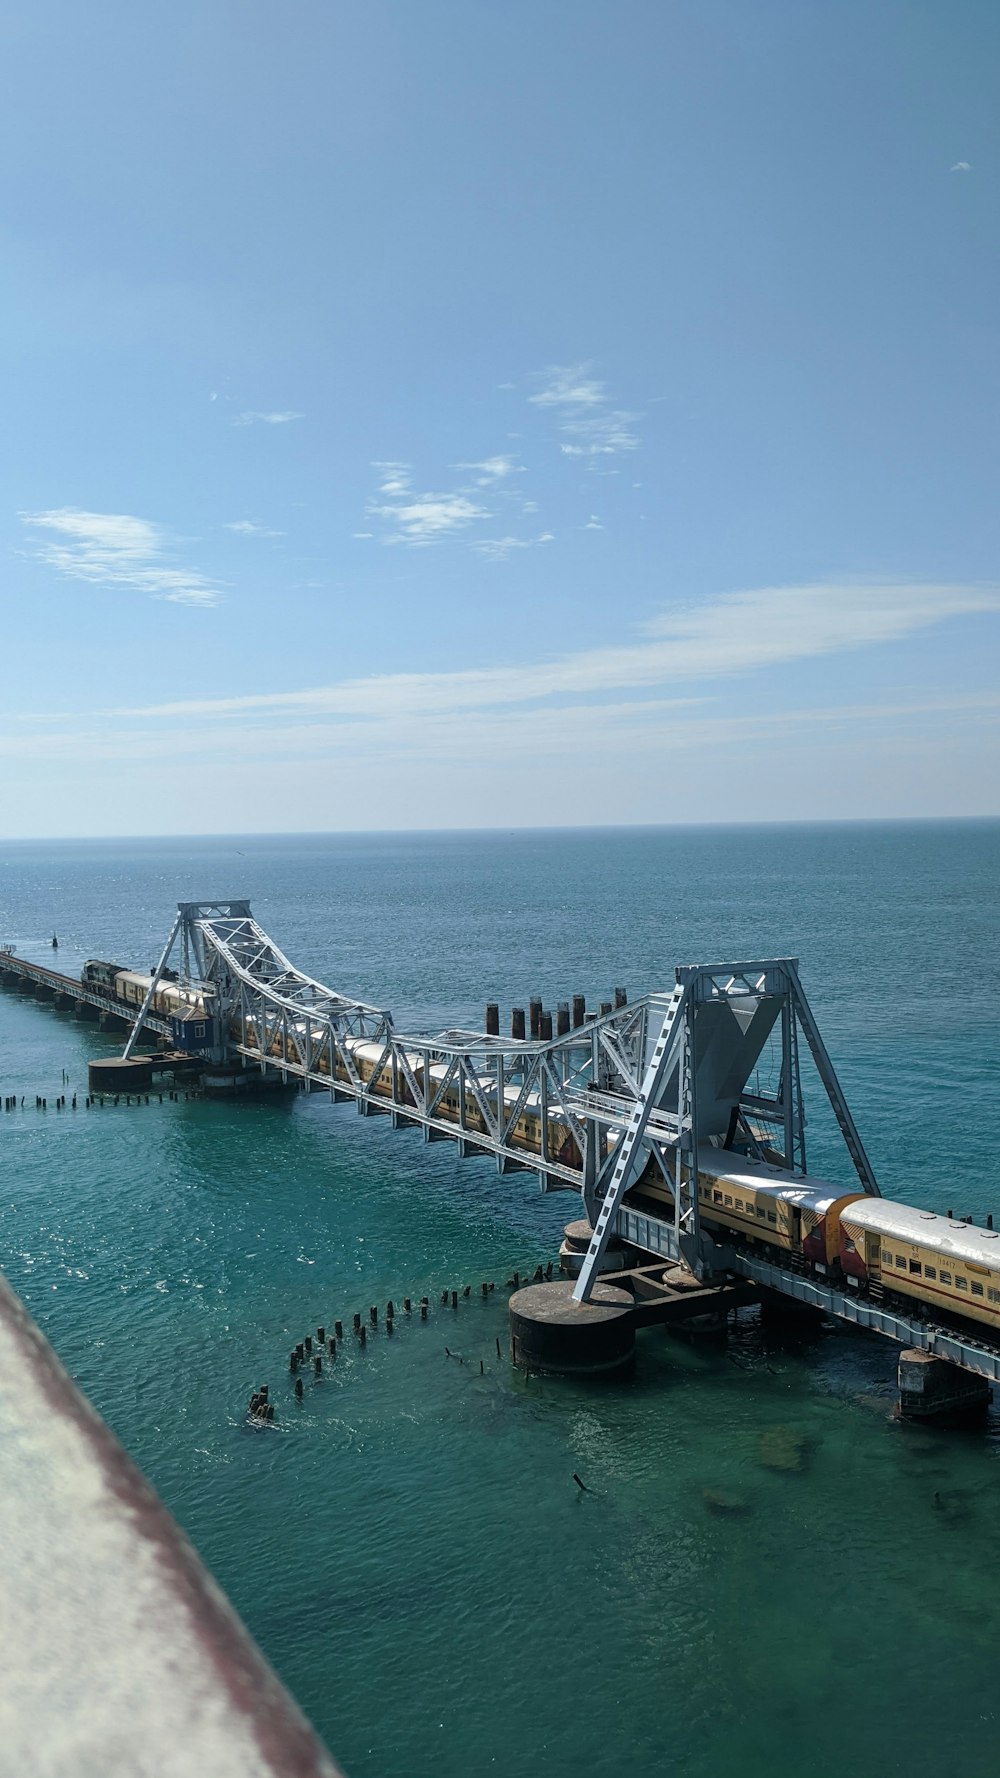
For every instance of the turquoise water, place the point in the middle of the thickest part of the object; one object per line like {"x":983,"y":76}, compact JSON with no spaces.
{"x":408,"y":1546}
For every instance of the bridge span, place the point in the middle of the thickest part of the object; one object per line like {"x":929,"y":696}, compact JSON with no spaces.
{"x":649,"y":1110}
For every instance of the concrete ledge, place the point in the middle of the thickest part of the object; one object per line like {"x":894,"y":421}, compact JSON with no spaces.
{"x":120,"y":1653}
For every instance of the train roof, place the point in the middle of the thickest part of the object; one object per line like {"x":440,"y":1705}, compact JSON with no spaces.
{"x":803,"y":1189}
{"x":925,"y":1228}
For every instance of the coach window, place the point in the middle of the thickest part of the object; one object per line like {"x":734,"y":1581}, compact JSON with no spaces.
{"x":772,"y":1216}
{"x":945,"y":1277}
{"x":930,"y":1271}
{"x":977,"y":1289}
{"x":762,"y":1214}
{"x":915,"y":1266}
{"x":886,"y":1258}
{"x":993,"y":1295}
{"x":729,"y":1201}
{"x":961,"y":1283}
{"x":901,"y":1262}
{"x":717,"y":1197}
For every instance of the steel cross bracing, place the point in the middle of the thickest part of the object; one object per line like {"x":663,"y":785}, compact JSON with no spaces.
{"x":647,"y":1084}
{"x":694,"y":1091}
{"x":548,"y":1107}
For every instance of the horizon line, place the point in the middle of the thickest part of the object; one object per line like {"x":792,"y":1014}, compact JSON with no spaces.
{"x":709,"y":823}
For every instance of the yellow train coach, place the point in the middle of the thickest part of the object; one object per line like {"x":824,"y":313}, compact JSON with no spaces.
{"x":944,"y":1266}
{"x":758,"y":1204}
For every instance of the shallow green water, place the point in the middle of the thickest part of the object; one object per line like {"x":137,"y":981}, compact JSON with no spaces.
{"x":408,"y":1546}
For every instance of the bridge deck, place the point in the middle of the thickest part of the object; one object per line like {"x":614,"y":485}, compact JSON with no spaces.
{"x":15,"y":968}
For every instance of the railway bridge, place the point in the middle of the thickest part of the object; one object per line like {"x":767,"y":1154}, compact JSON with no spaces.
{"x":626,"y":1107}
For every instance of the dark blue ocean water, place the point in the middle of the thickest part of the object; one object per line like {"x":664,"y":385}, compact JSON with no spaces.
{"x":409,"y":1547}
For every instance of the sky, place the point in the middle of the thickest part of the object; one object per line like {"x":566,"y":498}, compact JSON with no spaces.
{"x":477,"y":414}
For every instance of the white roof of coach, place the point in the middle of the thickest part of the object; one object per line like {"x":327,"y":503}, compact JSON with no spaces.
{"x":796,"y":1188}
{"x":925,"y":1228}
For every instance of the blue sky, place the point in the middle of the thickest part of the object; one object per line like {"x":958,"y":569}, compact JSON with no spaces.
{"x":467,"y":414}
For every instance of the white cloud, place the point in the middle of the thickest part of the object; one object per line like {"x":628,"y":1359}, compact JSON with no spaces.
{"x":115,"y":549}
{"x":248,"y":528}
{"x":493,"y":470}
{"x":418,"y":520}
{"x":427,"y":518}
{"x":497,"y":549}
{"x":734,"y":636}
{"x":397,"y":477}
{"x":589,"y":427}
{"x":465,"y":740}
{"x":961,"y":167}
{"x":599,"y":435}
{"x":593,"y":523}
{"x":253,"y":418}
{"x":568,"y":385}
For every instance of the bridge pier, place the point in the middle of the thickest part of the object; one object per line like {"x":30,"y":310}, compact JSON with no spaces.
{"x":931,"y":1388}
{"x":550,"y":1332}
{"x":577,"y":1237}
{"x":112,"y":1074}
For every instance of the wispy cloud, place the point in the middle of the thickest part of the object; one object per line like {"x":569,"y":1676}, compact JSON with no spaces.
{"x":600,"y":435}
{"x":568,"y":385}
{"x":252,"y":417}
{"x":734,"y":635}
{"x":593,"y":523}
{"x":418,"y":519}
{"x":248,"y":528}
{"x":589,"y":425}
{"x":493,"y":470}
{"x":116,"y":549}
{"x":497,"y":549}
{"x":961,"y":167}
{"x":421,"y":519}
{"x":396,"y":477}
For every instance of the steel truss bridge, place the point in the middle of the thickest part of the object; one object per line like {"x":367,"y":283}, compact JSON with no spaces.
{"x":655,"y":1083}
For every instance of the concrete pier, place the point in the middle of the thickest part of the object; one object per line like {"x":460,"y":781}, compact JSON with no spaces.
{"x":111,"y":1074}
{"x":576,"y":1239}
{"x":550,"y":1332}
{"x":931,"y":1388}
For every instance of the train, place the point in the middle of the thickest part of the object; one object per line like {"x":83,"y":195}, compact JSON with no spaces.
{"x":374,"y":1070}
{"x":170,"y":1000}
{"x":915,"y":1260}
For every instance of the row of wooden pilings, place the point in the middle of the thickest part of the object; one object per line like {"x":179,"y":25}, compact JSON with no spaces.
{"x":569,"y":1016}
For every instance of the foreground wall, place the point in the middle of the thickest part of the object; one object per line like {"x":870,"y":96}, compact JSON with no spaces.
{"x":120,"y":1655}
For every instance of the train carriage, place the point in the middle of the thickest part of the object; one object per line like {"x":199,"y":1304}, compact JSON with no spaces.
{"x":753,"y":1201}
{"x":759,"y":1202}
{"x":946,"y":1266}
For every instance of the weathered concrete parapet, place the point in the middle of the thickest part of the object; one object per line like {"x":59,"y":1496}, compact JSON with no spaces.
{"x":120,"y":1654}
{"x":929,"y":1386}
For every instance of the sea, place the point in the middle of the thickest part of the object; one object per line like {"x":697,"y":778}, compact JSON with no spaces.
{"x":766,"y":1572}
